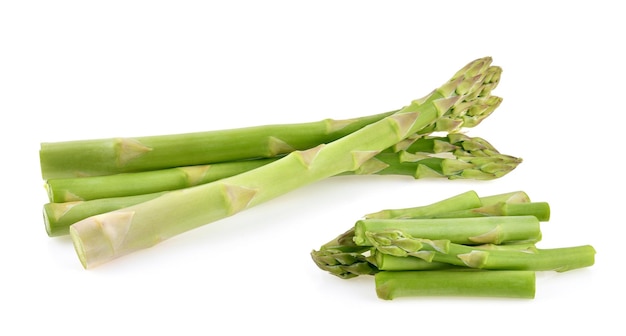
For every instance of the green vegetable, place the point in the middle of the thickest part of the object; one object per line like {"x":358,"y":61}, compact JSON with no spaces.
{"x":473,"y":230}
{"x":412,"y":161}
{"x":330,"y":257}
{"x":399,"y":244}
{"x":59,"y":216}
{"x":509,"y":284}
{"x":464,"y":245}
{"x":75,"y":199}
{"x":123,"y":155}
{"x":387,"y":262}
{"x":104,"y":237}
{"x":454,"y":205}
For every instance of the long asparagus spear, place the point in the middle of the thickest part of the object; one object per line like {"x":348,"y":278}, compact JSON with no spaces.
{"x":113,"y":192}
{"x":99,"y":157}
{"x":102,"y":238}
{"x":454,"y":156}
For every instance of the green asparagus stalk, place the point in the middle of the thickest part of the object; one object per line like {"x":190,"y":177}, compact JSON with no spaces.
{"x":145,"y":182}
{"x":396,"y":243}
{"x":508,"y":284}
{"x":102,"y":238}
{"x":554,"y":259}
{"x":128,"y":184}
{"x":472,"y":231}
{"x":541,"y":210}
{"x":455,"y":204}
{"x":99,"y":157}
{"x":387,"y":262}
{"x":59,"y":216}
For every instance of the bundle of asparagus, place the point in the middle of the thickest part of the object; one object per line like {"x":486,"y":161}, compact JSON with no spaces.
{"x":116,"y":196}
{"x":464,"y":245}
{"x":454,"y":156}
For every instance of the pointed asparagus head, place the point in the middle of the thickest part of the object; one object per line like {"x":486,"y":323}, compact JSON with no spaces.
{"x":345,"y":265}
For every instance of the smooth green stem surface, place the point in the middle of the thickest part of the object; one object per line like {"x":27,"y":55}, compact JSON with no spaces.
{"x":387,"y":262}
{"x":555,"y":259}
{"x":530,"y":259}
{"x":130,"y":184}
{"x":505,"y":284}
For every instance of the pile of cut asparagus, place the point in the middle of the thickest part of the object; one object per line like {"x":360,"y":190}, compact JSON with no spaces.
{"x":119,"y":195}
{"x":465,"y":245}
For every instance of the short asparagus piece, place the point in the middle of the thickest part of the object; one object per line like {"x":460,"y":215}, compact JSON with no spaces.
{"x":472,"y":231}
{"x":554,"y":259}
{"x":455,"y":204}
{"x":388,"y":262}
{"x":101,"y":238}
{"x":506,"y":284}
{"x":541,"y":210}
{"x":400,"y":244}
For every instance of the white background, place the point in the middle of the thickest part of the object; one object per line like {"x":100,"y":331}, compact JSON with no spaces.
{"x":74,"y":70}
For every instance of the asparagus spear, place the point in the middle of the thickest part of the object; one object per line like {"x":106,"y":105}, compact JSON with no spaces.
{"x":59,"y":216}
{"x":387,"y":262}
{"x":145,"y":182}
{"x":388,"y":163}
{"x":473,"y":230}
{"x":465,"y":201}
{"x":398,"y":244}
{"x":541,"y":210}
{"x":122,"y":155}
{"x":101,"y":238}
{"x":509,"y":284}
